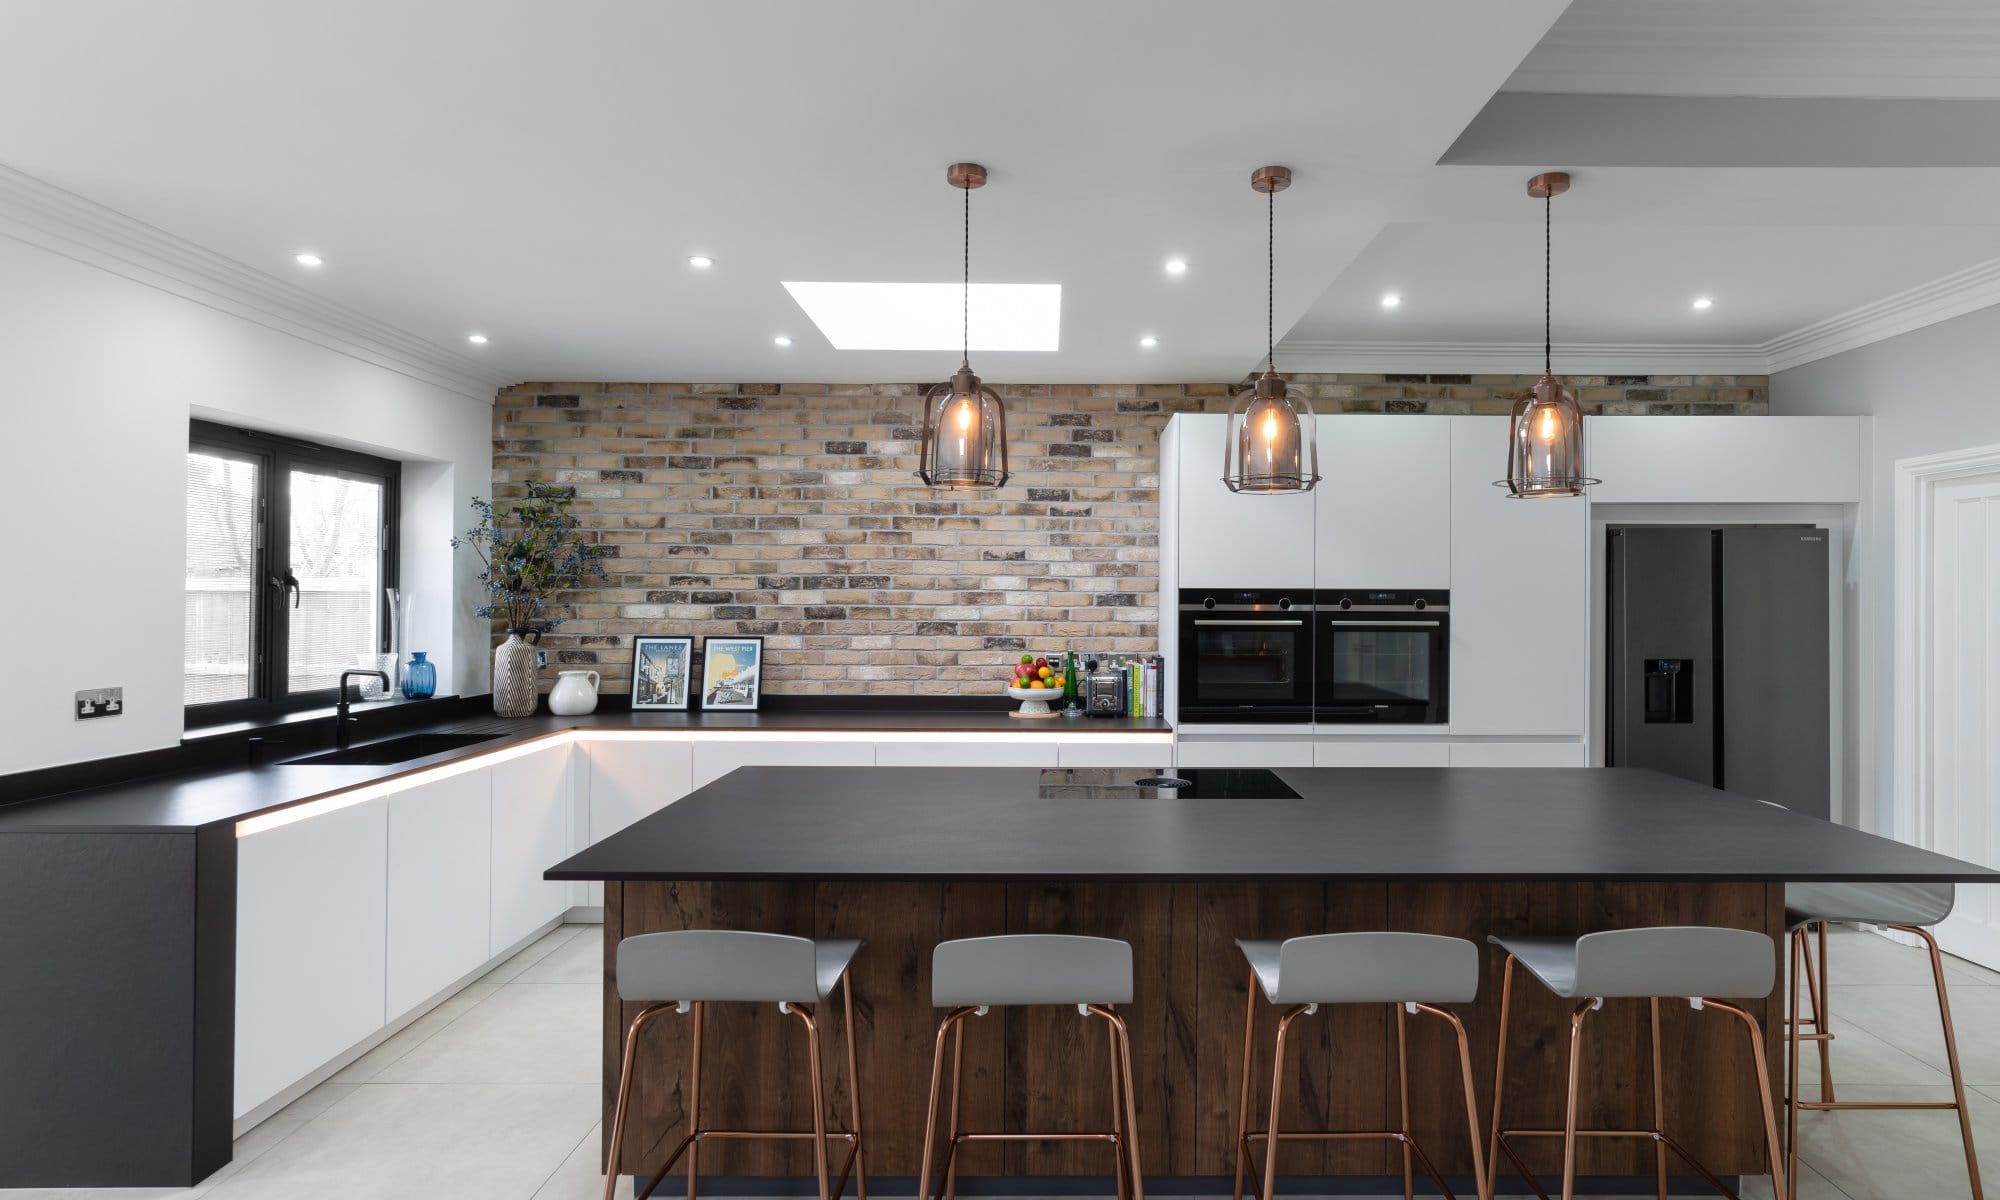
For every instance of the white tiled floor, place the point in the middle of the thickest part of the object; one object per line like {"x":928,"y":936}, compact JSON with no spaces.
{"x":494,"y":1094}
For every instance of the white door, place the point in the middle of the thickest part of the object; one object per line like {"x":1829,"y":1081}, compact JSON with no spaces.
{"x":1964,"y":710}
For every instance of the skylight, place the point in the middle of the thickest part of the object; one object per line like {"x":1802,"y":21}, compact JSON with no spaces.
{"x":925,"y":316}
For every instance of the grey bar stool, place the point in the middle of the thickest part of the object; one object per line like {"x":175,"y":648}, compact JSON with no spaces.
{"x":1911,"y":908}
{"x":972,"y":976}
{"x":1690,"y":962}
{"x":685,"y":970}
{"x":1412,"y":972}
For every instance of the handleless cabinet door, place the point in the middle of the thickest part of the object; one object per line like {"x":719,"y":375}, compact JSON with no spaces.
{"x":713,"y":760}
{"x":309,"y":945}
{"x":1520,"y":597}
{"x":440,"y":886}
{"x":1230,"y":540}
{"x":530,"y":834}
{"x":1383,"y":516}
{"x":633,"y":779}
{"x":1012,"y":751}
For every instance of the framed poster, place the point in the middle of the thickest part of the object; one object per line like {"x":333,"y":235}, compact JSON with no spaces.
{"x":732,"y":672}
{"x":660,"y":673}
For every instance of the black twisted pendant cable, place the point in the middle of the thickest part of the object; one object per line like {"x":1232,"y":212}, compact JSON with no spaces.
{"x":965,"y":290}
{"x":1270,"y":277}
{"x":1548,"y":202}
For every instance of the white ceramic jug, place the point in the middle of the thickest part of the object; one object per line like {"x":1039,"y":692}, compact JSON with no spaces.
{"x":574,"y":694}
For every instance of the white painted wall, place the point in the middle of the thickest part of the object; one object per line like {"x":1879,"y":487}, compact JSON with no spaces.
{"x":1930,"y":390}
{"x":102,"y":375}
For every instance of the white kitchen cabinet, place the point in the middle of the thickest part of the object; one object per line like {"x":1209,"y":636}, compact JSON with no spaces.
{"x":1353,"y":752}
{"x":1518,"y":754}
{"x":714,"y":759}
{"x":1726,"y":460}
{"x":1106,"y":750}
{"x":531,"y":833}
{"x":1382,"y":515}
{"x":439,"y":886}
{"x":1247,"y":752}
{"x":1230,"y":540}
{"x":630,"y":779}
{"x":309,"y":945}
{"x":1012,"y":751}
{"x":1520,"y":597}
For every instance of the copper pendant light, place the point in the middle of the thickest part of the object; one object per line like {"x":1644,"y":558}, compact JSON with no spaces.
{"x":965,"y":428}
{"x":1545,"y":442}
{"x":1269,"y":446}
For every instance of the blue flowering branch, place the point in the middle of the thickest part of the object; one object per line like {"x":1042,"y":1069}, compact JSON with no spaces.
{"x":530,"y":553}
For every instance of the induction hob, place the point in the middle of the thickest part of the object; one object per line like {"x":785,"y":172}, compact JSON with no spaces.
{"x":1208,"y":783}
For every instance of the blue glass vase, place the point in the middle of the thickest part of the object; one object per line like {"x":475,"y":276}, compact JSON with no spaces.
{"x":420,"y":678}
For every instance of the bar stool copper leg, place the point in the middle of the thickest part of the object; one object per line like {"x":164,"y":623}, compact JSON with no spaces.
{"x":694,"y":1103}
{"x":1499,"y":1076}
{"x":853,"y":1087}
{"x":1243,"y":1093}
{"x":1480,"y":1181}
{"x":1659,"y":1096}
{"x":1772,"y":1147}
{"x":818,"y":1097}
{"x":929,"y":1157}
{"x":1403,"y":1087}
{"x":1951,"y":1057}
{"x":1271,"y":1138}
{"x":625,"y":1073}
{"x":957,"y":1089}
{"x":1131,"y":1147}
{"x":1117,"y":1109}
{"x":1575,"y":1087}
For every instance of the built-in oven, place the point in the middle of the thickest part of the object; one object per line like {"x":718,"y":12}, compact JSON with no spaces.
{"x":1246,"y":655}
{"x":1381,"y":657}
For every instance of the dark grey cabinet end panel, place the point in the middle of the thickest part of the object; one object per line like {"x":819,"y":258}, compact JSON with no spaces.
{"x":104,"y":1008}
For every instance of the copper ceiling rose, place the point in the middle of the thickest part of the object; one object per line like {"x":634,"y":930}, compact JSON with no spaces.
{"x":972,"y":175}
{"x":1548,"y":184}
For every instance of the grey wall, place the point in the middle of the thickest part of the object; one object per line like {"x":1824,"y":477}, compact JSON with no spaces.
{"x":1931,"y":390}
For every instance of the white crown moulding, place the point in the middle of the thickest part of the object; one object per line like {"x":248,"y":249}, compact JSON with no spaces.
{"x":1519,"y":358}
{"x":61,"y":222}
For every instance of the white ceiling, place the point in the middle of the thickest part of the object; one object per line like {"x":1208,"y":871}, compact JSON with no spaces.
{"x":540,"y":173}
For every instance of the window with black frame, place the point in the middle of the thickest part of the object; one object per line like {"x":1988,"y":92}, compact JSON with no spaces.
{"x":291,"y":548}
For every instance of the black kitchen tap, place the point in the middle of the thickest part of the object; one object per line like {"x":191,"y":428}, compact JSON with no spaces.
{"x":342,"y":719}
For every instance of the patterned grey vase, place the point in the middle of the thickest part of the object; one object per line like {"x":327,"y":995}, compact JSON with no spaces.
{"x":514,"y":677}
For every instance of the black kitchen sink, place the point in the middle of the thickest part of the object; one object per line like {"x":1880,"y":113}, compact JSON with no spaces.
{"x":395,"y":750}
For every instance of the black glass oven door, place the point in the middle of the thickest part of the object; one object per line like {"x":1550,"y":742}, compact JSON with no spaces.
{"x":1380,"y":671}
{"x":1249,"y":664}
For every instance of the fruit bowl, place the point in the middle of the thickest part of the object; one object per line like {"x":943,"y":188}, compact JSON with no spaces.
{"x":1035,"y":701}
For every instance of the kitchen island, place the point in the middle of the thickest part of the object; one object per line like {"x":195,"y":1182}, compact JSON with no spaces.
{"x":911,"y":857}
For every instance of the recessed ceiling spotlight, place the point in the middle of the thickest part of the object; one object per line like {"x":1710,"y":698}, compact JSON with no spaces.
{"x":700,"y":260}
{"x":1149,"y":341}
{"x":1701,"y":302}
{"x":781,"y":340}
{"x":1177,"y":266}
{"x":477,"y":339}
{"x":1391,"y":300}
{"x":308,"y":259}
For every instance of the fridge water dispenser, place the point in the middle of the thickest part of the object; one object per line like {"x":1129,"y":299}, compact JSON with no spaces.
{"x":1669,"y":691}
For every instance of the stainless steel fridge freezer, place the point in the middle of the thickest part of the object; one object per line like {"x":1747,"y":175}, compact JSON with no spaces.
{"x":1716,"y":653}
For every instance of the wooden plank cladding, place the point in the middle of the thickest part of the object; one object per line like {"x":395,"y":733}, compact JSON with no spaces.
{"x":1046,"y":1068}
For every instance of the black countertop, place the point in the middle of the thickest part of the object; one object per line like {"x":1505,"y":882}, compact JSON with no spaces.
{"x":1348,"y":824}
{"x":192,"y":801}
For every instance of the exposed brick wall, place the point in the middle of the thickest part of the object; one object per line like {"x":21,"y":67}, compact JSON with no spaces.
{"x":793,"y":511}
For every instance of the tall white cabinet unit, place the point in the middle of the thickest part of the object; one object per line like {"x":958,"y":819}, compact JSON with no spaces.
{"x":439,"y":886}
{"x":1226,"y":539}
{"x":1520,"y":597}
{"x":531,"y":830}
{"x":1382,"y":515}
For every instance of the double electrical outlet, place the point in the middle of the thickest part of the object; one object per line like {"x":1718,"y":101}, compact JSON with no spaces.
{"x":99,"y":702}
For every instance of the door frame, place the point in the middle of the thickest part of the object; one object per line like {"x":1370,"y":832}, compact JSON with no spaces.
{"x":1916,"y":483}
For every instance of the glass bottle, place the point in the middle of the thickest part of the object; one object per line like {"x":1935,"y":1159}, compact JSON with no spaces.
{"x":1072,"y":703}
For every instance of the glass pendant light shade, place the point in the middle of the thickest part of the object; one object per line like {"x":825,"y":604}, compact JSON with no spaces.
{"x":1270,"y":446}
{"x":1545,"y":444}
{"x":965,"y":435}
{"x":1545,"y":441}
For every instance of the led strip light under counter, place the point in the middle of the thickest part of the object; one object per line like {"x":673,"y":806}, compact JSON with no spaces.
{"x":478,"y":761}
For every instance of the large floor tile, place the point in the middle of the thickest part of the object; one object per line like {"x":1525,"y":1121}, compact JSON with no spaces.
{"x":415,"y":1034}
{"x":578,"y":960}
{"x":1894,"y":1155}
{"x":523,"y":1033}
{"x":1861,"y":1058}
{"x":438,"y":1141}
{"x":1906,"y":1016}
{"x":533,"y":953}
{"x":581,"y":1175}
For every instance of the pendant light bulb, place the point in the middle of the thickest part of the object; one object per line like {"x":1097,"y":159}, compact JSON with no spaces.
{"x":1269,"y":446}
{"x":965,"y":428}
{"x":1545,"y":440}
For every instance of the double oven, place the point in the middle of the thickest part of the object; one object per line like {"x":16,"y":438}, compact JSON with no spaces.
{"x":1329,"y":656}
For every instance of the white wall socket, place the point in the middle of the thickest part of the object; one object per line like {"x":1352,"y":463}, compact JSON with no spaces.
{"x":99,"y":702}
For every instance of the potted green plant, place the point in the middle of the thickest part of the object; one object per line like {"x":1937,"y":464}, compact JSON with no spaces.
{"x":531,"y":552}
